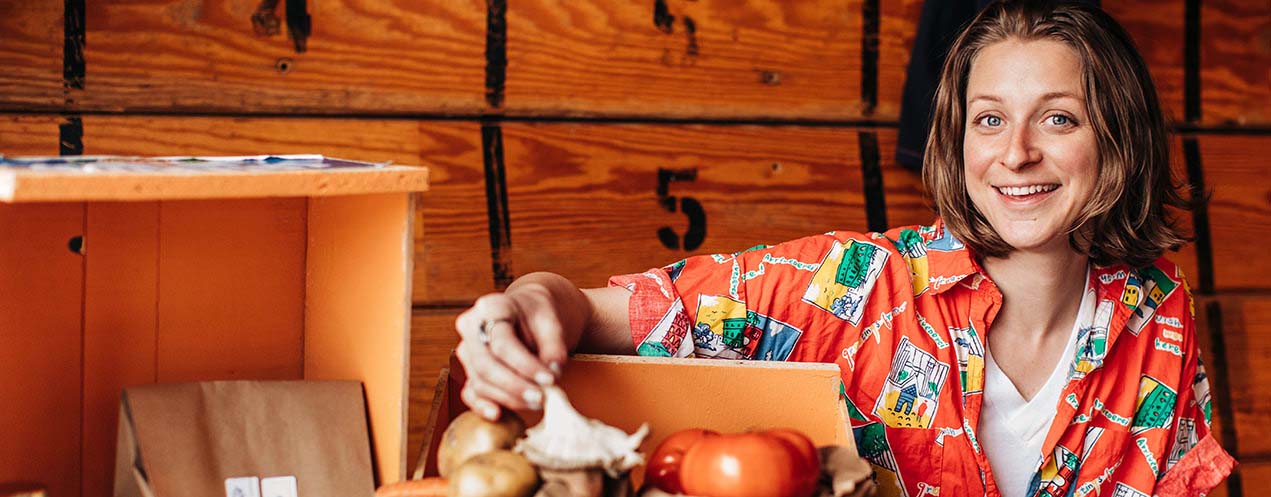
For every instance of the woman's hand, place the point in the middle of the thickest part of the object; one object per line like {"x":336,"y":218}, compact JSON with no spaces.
{"x":510,"y":344}
{"x":514,"y":342}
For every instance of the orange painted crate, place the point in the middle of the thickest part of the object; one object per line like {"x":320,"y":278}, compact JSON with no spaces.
{"x":121,"y":276}
{"x":674,"y":394}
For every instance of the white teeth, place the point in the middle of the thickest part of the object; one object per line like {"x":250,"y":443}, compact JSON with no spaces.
{"x":1019,"y":191}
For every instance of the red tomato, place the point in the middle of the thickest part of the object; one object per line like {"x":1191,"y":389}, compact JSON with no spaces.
{"x":776,"y":463}
{"x":663,"y":469}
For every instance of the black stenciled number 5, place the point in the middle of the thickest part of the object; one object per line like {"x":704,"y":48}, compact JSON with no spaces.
{"x":696,"y":233}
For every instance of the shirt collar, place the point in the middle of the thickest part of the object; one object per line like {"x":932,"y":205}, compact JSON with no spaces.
{"x":1125,"y":298}
{"x":950,"y":261}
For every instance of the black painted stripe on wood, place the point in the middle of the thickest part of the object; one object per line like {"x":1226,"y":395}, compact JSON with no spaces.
{"x":299,"y":24}
{"x":872,"y":173}
{"x":1191,"y":61}
{"x":496,"y":51}
{"x":869,"y":57}
{"x":496,"y":197}
{"x":70,"y":136}
{"x":1200,"y":215}
{"x":1220,"y":383}
{"x":73,"y":46}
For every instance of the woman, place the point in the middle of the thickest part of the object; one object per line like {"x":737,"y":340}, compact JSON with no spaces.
{"x":1030,"y":342}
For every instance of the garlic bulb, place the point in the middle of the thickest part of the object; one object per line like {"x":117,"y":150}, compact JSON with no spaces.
{"x":567,"y":440}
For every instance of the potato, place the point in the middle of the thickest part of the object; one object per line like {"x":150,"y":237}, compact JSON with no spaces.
{"x":501,"y":473}
{"x":470,"y":434}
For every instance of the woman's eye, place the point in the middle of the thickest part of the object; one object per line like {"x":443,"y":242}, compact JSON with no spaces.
{"x":992,"y":121}
{"x":1060,"y":120}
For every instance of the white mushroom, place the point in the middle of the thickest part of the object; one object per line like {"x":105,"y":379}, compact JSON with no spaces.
{"x":567,"y":440}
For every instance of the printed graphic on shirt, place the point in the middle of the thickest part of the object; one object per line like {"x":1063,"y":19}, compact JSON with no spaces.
{"x":970,"y":359}
{"x":871,"y":441}
{"x":943,"y":242}
{"x":1185,"y":438}
{"x":776,"y":340}
{"x":1057,"y":474}
{"x":1154,"y":288}
{"x":1155,"y":408}
{"x":667,"y":337}
{"x":1092,"y":341}
{"x":914,"y":248}
{"x":1123,"y":490}
{"x":1087,"y":446}
{"x":674,"y":269}
{"x":843,"y":282}
{"x":911,"y":394}
{"x":721,"y":329}
{"x":852,"y":412}
{"x":1200,"y":391}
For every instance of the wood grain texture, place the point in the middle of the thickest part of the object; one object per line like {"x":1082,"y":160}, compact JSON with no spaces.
{"x":1235,"y":57}
{"x":432,"y":337}
{"x":1157,"y":30}
{"x":1246,"y":333}
{"x":363,"y":56}
{"x":707,"y":58}
{"x":452,"y":236}
{"x":584,"y":203}
{"x":903,"y":191}
{"x":31,"y":55}
{"x":760,"y":59}
{"x":1239,"y":209}
{"x":29,"y":135}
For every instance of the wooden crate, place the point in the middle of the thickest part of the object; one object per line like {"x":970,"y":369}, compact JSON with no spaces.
{"x":674,"y":394}
{"x":185,"y":277}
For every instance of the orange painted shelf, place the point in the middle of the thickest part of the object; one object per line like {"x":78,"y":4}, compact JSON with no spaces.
{"x":138,"y":271}
{"x":78,"y":179}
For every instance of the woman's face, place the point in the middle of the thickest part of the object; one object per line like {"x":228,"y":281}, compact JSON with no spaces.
{"x":1029,"y":149}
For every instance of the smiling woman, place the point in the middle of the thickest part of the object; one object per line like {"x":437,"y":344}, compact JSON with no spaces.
{"x":995,"y":352}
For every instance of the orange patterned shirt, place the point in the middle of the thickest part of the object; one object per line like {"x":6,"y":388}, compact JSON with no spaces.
{"x":905,"y":313}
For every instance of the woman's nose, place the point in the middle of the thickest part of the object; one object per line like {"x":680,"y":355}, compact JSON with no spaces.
{"x":1020,"y":149}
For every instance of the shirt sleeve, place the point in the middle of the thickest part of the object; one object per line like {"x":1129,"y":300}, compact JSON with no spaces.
{"x":759,"y":303}
{"x":1196,"y":462}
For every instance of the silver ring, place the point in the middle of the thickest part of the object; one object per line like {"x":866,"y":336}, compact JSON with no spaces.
{"x":483,"y":332}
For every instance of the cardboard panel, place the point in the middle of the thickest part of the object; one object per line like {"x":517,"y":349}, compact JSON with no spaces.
{"x":357,"y":309}
{"x":31,"y":55}
{"x":40,"y":345}
{"x":432,"y":338}
{"x":1235,"y":58}
{"x":231,"y":289}
{"x":584,"y":200}
{"x":361,"y":56}
{"x":121,"y":288}
{"x":1239,"y":208}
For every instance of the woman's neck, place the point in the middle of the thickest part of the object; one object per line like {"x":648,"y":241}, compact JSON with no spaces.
{"x":1042,"y":289}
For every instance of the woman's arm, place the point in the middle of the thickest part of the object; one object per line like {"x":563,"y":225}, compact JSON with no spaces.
{"x":513,"y":341}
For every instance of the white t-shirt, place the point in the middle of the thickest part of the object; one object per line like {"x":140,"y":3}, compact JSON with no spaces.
{"x":1012,"y":430}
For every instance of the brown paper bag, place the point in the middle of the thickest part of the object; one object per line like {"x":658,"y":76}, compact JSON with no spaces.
{"x":185,"y":440}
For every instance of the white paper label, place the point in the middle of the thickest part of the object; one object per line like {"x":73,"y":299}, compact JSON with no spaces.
{"x":279,"y":486}
{"x":243,"y":486}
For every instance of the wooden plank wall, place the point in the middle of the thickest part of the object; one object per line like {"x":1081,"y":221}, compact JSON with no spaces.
{"x":580,"y":136}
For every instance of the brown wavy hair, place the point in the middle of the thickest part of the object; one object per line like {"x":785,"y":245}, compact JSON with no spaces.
{"x":1127,"y":219}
